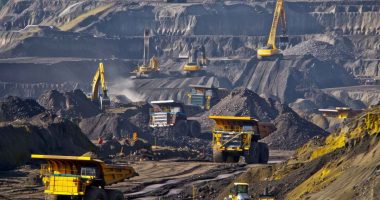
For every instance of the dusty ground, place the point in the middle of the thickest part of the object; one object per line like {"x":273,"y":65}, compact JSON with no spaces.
{"x":169,"y":179}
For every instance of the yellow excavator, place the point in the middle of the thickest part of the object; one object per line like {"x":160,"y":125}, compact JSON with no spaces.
{"x":271,"y":50}
{"x":148,"y":69}
{"x":101,"y":100}
{"x":195,"y":65}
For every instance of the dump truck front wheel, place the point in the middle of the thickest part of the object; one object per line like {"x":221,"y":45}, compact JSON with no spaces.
{"x":95,"y":193}
{"x":253,"y":154}
{"x":264,"y":153}
{"x":180,"y":128}
{"x":218,"y":156}
{"x":114,"y":195}
{"x":57,"y":197}
{"x":194,"y":128}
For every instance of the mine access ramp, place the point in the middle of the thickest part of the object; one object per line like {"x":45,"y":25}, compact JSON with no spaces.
{"x":81,"y":177}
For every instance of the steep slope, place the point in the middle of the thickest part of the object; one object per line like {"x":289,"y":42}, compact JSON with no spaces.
{"x":290,"y":78}
{"x":344,"y":165}
{"x":42,"y":134}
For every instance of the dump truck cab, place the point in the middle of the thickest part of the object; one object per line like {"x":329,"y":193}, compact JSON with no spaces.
{"x":171,"y":115}
{"x":239,"y":192}
{"x":205,"y":96}
{"x":81,"y":177}
{"x":234,"y":137}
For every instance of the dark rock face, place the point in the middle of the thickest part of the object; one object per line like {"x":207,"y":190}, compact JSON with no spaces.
{"x":43,"y":135}
{"x":69,"y":104}
{"x":135,"y":118}
{"x":16,"y":108}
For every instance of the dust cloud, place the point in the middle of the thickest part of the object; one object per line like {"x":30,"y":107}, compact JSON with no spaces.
{"x":126,"y":87}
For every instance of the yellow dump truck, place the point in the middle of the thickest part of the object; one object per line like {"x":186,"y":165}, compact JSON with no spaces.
{"x":234,"y":137}
{"x":81,"y":177}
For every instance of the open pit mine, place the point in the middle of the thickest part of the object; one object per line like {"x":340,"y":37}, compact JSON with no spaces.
{"x":189,"y":99}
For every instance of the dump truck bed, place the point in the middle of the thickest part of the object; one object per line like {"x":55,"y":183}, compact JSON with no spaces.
{"x":110,"y":173}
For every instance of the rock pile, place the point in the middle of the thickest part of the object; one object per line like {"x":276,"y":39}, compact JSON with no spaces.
{"x":72,"y":104}
{"x":46,"y":134}
{"x":16,"y":108}
{"x":321,"y":50}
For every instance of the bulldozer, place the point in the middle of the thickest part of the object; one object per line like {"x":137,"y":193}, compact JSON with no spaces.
{"x":235,"y":137}
{"x":149,"y":69}
{"x":81,"y":177}
{"x":271,"y":50}
{"x":101,"y":100}
{"x":195,"y":66}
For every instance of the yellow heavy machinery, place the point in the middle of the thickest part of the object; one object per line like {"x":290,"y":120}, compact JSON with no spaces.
{"x":195,"y":65}
{"x":148,"y":69}
{"x":271,"y":50}
{"x":234,"y":137}
{"x":81,"y":177}
{"x":99,"y":79}
{"x":205,"y":96}
{"x":240,"y":192}
{"x":341,"y":112}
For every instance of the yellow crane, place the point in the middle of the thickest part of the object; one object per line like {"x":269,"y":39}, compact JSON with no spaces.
{"x":99,"y":79}
{"x":271,"y":49}
{"x":195,"y":65}
{"x":149,"y":68}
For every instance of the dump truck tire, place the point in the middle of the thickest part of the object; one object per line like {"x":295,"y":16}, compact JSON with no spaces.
{"x":232,"y":159}
{"x":264,"y":153}
{"x":114,"y":195}
{"x":180,"y":128}
{"x":252,"y":156}
{"x":95,"y":193}
{"x":218,"y":156}
{"x":57,"y":197}
{"x":51,"y":197}
{"x":194,"y":128}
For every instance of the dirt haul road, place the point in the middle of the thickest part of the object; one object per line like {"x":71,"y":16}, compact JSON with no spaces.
{"x":168,"y":179}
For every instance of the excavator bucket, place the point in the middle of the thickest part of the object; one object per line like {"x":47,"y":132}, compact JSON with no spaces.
{"x":283,"y":42}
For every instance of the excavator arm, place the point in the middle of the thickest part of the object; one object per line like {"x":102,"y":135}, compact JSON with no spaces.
{"x":279,"y":15}
{"x":99,"y":80}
